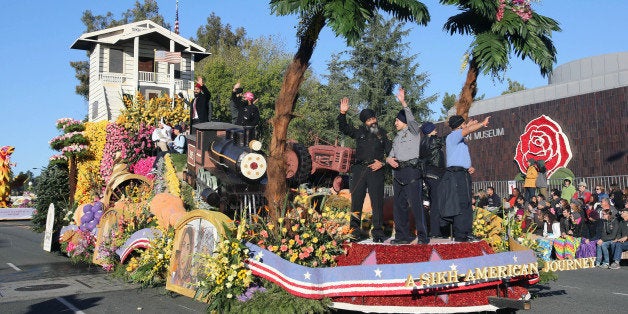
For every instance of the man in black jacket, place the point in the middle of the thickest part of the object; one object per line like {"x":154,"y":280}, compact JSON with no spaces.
{"x":200,"y":108}
{"x":433,"y":160}
{"x":372,"y":143}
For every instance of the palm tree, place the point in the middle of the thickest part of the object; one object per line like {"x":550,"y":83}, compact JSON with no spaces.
{"x":500,"y":27}
{"x":347,"y":19}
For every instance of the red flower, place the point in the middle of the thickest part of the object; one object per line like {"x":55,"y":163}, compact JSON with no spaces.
{"x":543,"y":139}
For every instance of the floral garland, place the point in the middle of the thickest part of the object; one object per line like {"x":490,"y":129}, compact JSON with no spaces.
{"x":68,"y":125}
{"x":172,"y":182}
{"x":520,"y":7}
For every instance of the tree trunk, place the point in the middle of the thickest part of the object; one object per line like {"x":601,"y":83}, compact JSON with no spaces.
{"x":276,"y":189}
{"x":72,"y":173}
{"x":469,"y":90}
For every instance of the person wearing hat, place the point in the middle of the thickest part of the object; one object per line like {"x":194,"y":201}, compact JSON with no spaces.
{"x":371,"y":143}
{"x":200,"y":107}
{"x":456,"y":182}
{"x":582,"y":192}
{"x":433,"y":161}
{"x":243,"y":104}
{"x":407,"y":183}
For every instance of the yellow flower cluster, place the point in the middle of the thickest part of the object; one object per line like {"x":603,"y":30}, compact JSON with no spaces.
{"x":151,"y":267}
{"x":223,"y":273}
{"x":170,"y":175}
{"x":89,"y":181}
{"x":488,"y":226}
{"x":140,"y":111}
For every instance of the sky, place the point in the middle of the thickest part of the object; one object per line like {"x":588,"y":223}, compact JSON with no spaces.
{"x":37,"y":84}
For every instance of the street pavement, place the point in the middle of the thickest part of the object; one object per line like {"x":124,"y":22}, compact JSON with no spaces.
{"x":36,"y":281}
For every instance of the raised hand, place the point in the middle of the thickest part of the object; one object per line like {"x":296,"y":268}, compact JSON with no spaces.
{"x":344,"y":105}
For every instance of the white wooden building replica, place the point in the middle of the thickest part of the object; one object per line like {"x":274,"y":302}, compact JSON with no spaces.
{"x":124,"y":60}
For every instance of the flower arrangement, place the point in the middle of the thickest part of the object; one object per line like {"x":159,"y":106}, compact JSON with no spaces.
{"x":89,"y":181}
{"x":305,"y":236}
{"x":223,"y":275}
{"x":140,"y":111}
{"x":79,"y":246}
{"x":172,"y":182}
{"x":114,"y":143}
{"x":151,"y":267}
{"x":488,"y":226}
{"x":143,"y":166}
{"x":58,"y":160}
{"x":68,"y":125}
{"x":107,"y":251}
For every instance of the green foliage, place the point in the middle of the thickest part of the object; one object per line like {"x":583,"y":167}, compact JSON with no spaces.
{"x":187,"y":195}
{"x":349,"y":18}
{"x":215,"y":37}
{"x":495,"y":40}
{"x":513,"y":87}
{"x":259,"y":67}
{"x":179,"y":161}
{"x":52,"y":188}
{"x":276,"y":300}
{"x":449,"y":101}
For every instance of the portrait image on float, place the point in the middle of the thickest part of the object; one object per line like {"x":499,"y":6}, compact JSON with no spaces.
{"x":197,"y":233}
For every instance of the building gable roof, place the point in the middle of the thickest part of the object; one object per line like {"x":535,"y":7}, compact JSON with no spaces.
{"x":129,"y":31}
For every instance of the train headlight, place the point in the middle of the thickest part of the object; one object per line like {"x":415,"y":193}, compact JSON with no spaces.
{"x":255,"y":145}
{"x":253,"y":166}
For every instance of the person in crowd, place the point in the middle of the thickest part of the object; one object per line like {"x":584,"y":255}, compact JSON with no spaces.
{"x":244,"y":106}
{"x":592,"y":220}
{"x":568,"y":190}
{"x":162,"y":135}
{"x":607,"y":231}
{"x":512,"y":199}
{"x":616,"y":196}
{"x":529,"y":184}
{"x":566,"y":245}
{"x":493,"y":202}
{"x":480,"y":199}
{"x":582,"y":192}
{"x":372,"y":144}
{"x":433,"y":161}
{"x":554,"y":200}
{"x":407,"y":183}
{"x":551,"y":226}
{"x":534,"y":201}
{"x":200,"y":106}
{"x":456,"y":204}
{"x":178,"y":144}
{"x":605,"y":204}
{"x":541,"y":179}
{"x":600,"y":192}
{"x":521,"y":203}
{"x":620,"y":244}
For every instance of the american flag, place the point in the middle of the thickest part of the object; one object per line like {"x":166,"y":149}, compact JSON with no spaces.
{"x":167,"y":56}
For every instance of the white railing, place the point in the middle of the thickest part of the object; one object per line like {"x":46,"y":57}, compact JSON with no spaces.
{"x":107,"y":77}
{"x":163,"y":78}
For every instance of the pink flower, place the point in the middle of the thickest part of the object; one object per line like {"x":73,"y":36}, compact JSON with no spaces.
{"x":283,"y":248}
{"x":264,"y":233}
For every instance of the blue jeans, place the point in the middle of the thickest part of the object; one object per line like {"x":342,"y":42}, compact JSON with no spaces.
{"x":618,"y":248}
{"x":603,"y":251}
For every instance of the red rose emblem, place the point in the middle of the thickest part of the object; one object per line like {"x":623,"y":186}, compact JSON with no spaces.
{"x":543,"y":139}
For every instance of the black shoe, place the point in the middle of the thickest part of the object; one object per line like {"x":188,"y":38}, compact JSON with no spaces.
{"x":426,"y":241}
{"x":378,"y":240}
{"x":395,"y":241}
{"x":465,"y":239}
{"x":472,"y":238}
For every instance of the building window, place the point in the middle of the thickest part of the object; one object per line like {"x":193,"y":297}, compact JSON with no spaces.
{"x":146,"y":64}
{"x":94,"y":110}
{"x":177,"y":70}
{"x":116,"y":61}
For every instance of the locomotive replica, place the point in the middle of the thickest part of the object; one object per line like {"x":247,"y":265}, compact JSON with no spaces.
{"x":227,"y":167}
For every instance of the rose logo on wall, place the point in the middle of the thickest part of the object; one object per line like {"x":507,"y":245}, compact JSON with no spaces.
{"x":543,"y":139}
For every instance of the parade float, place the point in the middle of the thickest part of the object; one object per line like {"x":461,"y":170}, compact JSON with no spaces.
{"x":156,"y":229}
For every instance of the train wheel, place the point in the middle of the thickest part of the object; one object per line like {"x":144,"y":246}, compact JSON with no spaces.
{"x":298,"y":164}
